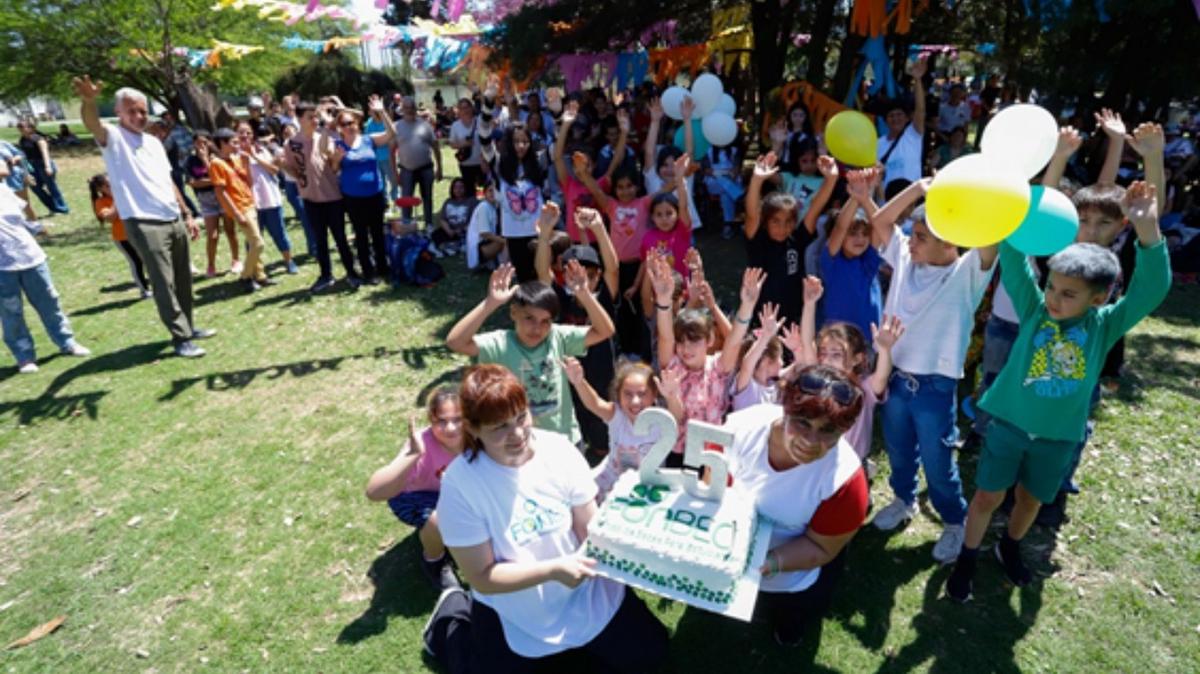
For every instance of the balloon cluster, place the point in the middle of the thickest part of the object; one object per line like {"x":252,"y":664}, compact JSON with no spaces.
{"x":981,"y":199}
{"x":712,"y":123}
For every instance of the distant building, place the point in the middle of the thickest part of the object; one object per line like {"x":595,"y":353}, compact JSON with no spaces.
{"x":44,"y":109}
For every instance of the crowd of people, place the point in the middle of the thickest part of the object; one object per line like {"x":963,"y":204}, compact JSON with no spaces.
{"x":849,"y":305}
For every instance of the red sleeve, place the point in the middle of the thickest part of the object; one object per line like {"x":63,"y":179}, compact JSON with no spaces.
{"x":844,"y":511}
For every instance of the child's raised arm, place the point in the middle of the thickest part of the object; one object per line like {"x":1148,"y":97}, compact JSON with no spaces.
{"x":601,"y":325}
{"x":813,"y":290}
{"x":1147,"y":140}
{"x":389,"y":481}
{"x":590,"y":220}
{"x":593,"y":188}
{"x":1114,"y":128}
{"x":884,"y":221}
{"x":885,"y":338}
{"x":764,"y":168}
{"x":670,"y":385}
{"x":500,"y":290}
{"x":587,"y":395}
{"x":560,"y":142}
{"x":1068,"y":143}
{"x":829,"y":169}
{"x":658,"y":273}
{"x":686,"y":108}
{"x":650,"y":147}
{"x":752,"y":283}
{"x":545,"y":229}
{"x":768,"y":319}
{"x":859,"y":184}
{"x":618,"y":157}
{"x":1141,"y":203}
{"x":682,"y":165}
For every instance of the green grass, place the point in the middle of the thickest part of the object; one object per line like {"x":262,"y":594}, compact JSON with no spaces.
{"x":209,"y":514}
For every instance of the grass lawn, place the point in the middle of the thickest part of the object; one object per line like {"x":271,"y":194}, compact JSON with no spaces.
{"x":208,"y":514}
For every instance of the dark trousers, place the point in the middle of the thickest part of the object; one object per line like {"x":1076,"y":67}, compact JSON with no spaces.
{"x":327,"y":218}
{"x":521,"y":255}
{"x":632,"y":335}
{"x":163,"y":247}
{"x":366,"y":216}
{"x":467,"y":637}
{"x":177,"y":178}
{"x":472,"y":176}
{"x":424,"y":177}
{"x":791,"y":613}
{"x":135,"y":264}
{"x":45,"y":186}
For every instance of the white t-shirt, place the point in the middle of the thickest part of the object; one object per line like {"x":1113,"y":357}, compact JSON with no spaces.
{"x":484,"y":219}
{"x":788,"y":498}
{"x":525,"y":514}
{"x":937,"y":306}
{"x":460,"y":132}
{"x":140,"y":175}
{"x":951,"y":117}
{"x":654,"y":185}
{"x":905,"y":160}
{"x":265,"y":188}
{"x":521,"y":204}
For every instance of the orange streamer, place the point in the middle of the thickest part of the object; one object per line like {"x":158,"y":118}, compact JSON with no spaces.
{"x":821,"y":108}
{"x":665,"y":64}
{"x":871,"y":18}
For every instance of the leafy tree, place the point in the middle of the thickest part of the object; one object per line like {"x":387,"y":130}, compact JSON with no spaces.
{"x":333,"y":73}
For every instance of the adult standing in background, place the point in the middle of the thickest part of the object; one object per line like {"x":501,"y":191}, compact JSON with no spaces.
{"x":464,"y":138}
{"x":150,"y":205}
{"x":178,"y":145}
{"x":419,"y":157}
{"x":37,"y":152}
{"x":384,"y":154}
{"x":362,"y":185}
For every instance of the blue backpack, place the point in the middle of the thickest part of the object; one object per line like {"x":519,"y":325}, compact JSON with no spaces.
{"x":411,"y":261}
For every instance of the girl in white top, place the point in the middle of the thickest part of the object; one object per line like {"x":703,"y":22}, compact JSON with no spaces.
{"x":513,"y":511}
{"x":761,"y":360}
{"x":634,"y":388}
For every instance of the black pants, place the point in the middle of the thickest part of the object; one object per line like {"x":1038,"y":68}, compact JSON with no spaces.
{"x":472,"y":176}
{"x":632,"y":336}
{"x":328,"y":218}
{"x":791,"y":613}
{"x":467,"y":637}
{"x":521,"y":255}
{"x":424,"y":177}
{"x":135,"y":265}
{"x":366,"y":216}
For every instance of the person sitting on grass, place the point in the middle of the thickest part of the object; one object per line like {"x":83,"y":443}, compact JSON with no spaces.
{"x":485,"y":247}
{"x":1039,"y":403}
{"x":535,"y":346}
{"x":412,"y":481}
{"x":23,"y":269}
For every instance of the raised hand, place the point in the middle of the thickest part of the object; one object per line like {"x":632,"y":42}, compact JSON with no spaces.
{"x":375,"y":104}
{"x":85,"y":88}
{"x":792,"y":338}
{"x":570,"y":113}
{"x":859,"y":185}
{"x":827,"y":166}
{"x":693,"y":261}
{"x":768,"y":318}
{"x":920,"y":66}
{"x":656,"y":109}
{"x":1147,"y":139}
{"x":1141,"y":203}
{"x":682,"y":163}
{"x":623,"y":120}
{"x":579,"y":163}
{"x":547,"y":219}
{"x":670,"y":383}
{"x":766,"y":166}
{"x":416,"y":446}
{"x":588,"y":218}
{"x":500,"y":287}
{"x":813,"y":289}
{"x":573,"y":369}
{"x":885,"y":337}
{"x":1111,"y":123}
{"x":687,"y":107}
{"x":704,"y":292}
{"x":1068,"y":142}
{"x":752,"y":283}
{"x":576,"y":278}
{"x":660,"y":279}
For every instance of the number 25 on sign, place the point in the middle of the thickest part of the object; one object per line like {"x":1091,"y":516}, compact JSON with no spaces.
{"x":695,"y":456}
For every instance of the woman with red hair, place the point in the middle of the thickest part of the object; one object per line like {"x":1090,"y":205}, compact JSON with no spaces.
{"x":513,"y":511}
{"x":806,"y":478}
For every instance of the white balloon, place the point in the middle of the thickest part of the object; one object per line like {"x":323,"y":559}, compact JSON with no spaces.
{"x":1022,"y":135}
{"x":719,"y":128}
{"x":671,"y":99}
{"x":706,"y":92}
{"x":726,"y":105}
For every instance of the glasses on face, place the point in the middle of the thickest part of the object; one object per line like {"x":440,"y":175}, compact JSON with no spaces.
{"x":346,"y":122}
{"x":844,"y":393}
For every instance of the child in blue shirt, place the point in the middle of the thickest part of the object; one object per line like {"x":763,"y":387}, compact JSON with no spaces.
{"x":849,"y":260}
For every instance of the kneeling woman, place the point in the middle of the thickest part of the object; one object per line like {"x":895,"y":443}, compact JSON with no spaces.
{"x":807,"y":478}
{"x":513,"y":510}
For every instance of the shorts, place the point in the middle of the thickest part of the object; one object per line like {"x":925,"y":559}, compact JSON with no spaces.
{"x":414,"y":508}
{"x":209,"y":206}
{"x":1010,"y":455}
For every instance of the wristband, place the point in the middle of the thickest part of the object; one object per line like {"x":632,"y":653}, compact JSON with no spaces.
{"x":662,"y":307}
{"x":739,"y":319}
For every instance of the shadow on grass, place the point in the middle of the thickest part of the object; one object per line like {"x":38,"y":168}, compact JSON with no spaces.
{"x":118,"y":287}
{"x":107,"y":306}
{"x":1179,"y":309}
{"x":240,"y":379}
{"x":57,"y":408}
{"x":400,"y":590}
{"x":1159,"y":363}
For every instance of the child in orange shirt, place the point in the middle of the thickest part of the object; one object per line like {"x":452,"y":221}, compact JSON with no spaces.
{"x":106,"y":211}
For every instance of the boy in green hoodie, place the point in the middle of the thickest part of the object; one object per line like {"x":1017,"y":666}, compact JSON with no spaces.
{"x":1040,"y":400}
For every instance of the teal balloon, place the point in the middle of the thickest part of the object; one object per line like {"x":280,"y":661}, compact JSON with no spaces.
{"x":701,"y":144}
{"x":1050,"y":224}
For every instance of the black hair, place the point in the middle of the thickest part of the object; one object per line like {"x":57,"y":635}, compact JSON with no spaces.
{"x":779,"y":201}
{"x":894,"y":187}
{"x":668,"y":153}
{"x":223,"y":136}
{"x":665,"y":198}
{"x":94,"y":184}
{"x":304,"y":107}
{"x":537,"y":295}
{"x":509,"y":162}
{"x":625,"y":173}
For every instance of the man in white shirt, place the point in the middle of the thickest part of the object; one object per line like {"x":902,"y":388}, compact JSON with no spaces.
{"x":150,"y":205}
{"x":899,"y":150}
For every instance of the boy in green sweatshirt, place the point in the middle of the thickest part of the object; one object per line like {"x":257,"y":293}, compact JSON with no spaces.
{"x":1039,"y":402}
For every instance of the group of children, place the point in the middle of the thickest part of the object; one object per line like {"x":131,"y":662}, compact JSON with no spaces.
{"x":881,"y":298}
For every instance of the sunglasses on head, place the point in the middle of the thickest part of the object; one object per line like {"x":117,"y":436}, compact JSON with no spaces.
{"x":843,"y":392}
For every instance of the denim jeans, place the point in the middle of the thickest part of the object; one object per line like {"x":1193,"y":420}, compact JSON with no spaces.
{"x":293,"y":197}
{"x":46,"y":188}
{"x":36,"y":284}
{"x":392,"y":189}
{"x":919,"y":430}
{"x":998,"y":338}
{"x":424,"y":177}
{"x":271,"y":220}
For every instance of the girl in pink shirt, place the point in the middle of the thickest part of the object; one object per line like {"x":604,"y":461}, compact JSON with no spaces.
{"x":412,"y":481}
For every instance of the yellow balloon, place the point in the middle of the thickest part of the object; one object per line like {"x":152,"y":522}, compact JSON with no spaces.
{"x":851,"y":138}
{"x":976,"y":201}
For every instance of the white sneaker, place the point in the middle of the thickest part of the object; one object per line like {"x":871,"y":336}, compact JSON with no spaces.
{"x":896,"y":513}
{"x":436,"y":251}
{"x":28,"y":367}
{"x":950,"y":544}
{"x":76,"y":349}
{"x":236,"y":267}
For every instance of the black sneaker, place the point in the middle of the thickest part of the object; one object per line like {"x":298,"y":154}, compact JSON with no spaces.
{"x":373,"y":281}
{"x":266,"y":281}
{"x":321,"y":285}
{"x":252,"y":285}
{"x":439,"y":574}
{"x":1054,"y":515}
{"x":354,"y":282}
{"x":1014,"y":569}
{"x":961,"y":583}
{"x":188,"y":350}
{"x":203,"y":333}
{"x":453,"y":603}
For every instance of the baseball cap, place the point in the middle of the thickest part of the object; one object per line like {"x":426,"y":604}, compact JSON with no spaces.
{"x":585,"y":255}
{"x":255,"y":102}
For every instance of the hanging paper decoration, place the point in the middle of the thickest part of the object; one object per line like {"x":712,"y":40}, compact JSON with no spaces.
{"x":660,"y":32}
{"x":633,"y":66}
{"x":577,"y":68}
{"x":666,"y":64}
{"x":871,"y":17}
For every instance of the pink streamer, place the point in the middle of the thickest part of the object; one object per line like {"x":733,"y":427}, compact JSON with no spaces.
{"x":458,"y":6}
{"x":578,"y":67}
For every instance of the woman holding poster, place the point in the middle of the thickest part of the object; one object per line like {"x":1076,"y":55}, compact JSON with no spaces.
{"x":802,"y":474}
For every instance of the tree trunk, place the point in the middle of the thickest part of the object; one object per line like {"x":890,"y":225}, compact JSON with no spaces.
{"x":848,"y":62}
{"x":203,"y":107}
{"x":821,"y":25}
{"x":772,"y":34}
